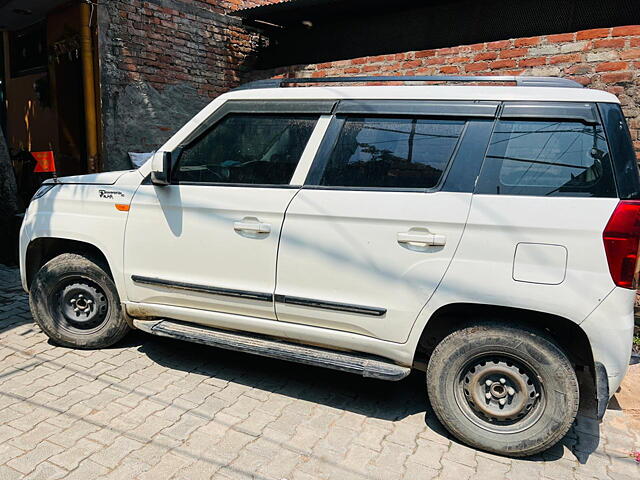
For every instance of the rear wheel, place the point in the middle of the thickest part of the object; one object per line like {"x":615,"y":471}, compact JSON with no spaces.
{"x":76,"y":303}
{"x":503,"y":389}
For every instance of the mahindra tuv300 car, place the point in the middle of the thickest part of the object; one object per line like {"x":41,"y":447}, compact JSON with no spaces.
{"x":487,"y":235}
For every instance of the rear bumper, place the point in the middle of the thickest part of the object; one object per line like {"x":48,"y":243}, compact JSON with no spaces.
{"x":610,"y":331}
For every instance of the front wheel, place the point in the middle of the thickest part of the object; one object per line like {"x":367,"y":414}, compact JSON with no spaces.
{"x":76,"y":303}
{"x":503,"y":389}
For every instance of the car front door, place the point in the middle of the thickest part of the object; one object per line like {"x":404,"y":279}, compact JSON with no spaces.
{"x":369,"y":237}
{"x":209,"y":240}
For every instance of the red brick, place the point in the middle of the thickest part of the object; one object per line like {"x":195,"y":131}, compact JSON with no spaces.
{"x":377,"y":58}
{"x":626,"y":31}
{"x":533,"y":62}
{"x":432,"y":61}
{"x":582,"y":80}
{"x":411,"y":64}
{"x":499,"y":45}
{"x":450,"y":69}
{"x":425,"y":53}
{"x":486,"y":56}
{"x":609,"y":43}
{"x":593,"y":33}
{"x":631,"y":53}
{"x":447,"y":51}
{"x":561,"y":37}
{"x":514,"y":53}
{"x":476,"y":67}
{"x":527,"y":42}
{"x":611,"y":66}
{"x":477,"y":47}
{"x":616,"y":77}
{"x":425,"y":71}
{"x":457,"y":59}
{"x":503,"y":64}
{"x":569,"y":58}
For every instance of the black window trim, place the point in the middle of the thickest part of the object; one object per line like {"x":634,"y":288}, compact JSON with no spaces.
{"x":623,"y":188}
{"x":585,"y":112}
{"x":230,"y":107}
{"x":411,"y":108}
{"x":311,"y":107}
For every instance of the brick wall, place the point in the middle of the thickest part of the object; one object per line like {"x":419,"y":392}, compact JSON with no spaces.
{"x":603,"y":58}
{"x":161,"y":62}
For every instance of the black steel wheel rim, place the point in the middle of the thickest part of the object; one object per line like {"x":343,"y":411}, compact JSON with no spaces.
{"x":79,"y":305}
{"x":500,"y":393}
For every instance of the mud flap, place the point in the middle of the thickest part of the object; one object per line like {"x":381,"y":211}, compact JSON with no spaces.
{"x":602,"y":389}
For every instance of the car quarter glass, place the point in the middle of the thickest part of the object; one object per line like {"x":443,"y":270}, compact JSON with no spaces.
{"x":387,"y":152}
{"x":262,"y":149}
{"x":547,"y":157}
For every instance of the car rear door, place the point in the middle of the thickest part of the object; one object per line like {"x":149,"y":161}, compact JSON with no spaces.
{"x":547,"y":189}
{"x":368,"y":238}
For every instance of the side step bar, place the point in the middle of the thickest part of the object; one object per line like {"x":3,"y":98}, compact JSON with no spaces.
{"x":367,"y":366}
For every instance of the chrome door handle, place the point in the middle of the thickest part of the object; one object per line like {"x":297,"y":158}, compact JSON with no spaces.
{"x":430,"y":239}
{"x":252,"y":227}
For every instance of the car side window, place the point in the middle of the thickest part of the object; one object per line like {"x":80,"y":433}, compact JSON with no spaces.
{"x":547,"y":158}
{"x":387,"y":152}
{"x":259,"y":149}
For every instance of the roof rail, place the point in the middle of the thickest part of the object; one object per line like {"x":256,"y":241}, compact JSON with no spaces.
{"x":521,"y":81}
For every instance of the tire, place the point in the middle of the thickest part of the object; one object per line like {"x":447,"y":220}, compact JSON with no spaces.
{"x":503,"y":389}
{"x":75,"y":302}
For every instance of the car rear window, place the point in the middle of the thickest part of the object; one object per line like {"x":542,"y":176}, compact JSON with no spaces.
{"x":387,"y":152}
{"x":547,"y":158}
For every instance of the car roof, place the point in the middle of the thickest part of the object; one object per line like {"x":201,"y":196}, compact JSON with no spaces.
{"x":427,"y":92}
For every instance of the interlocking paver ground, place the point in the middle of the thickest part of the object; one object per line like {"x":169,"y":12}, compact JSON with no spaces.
{"x":160,"y":409}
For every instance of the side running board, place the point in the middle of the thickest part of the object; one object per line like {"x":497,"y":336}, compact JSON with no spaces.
{"x":367,"y":366}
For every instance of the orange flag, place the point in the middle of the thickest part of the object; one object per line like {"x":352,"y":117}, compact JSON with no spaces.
{"x":45,"y":161}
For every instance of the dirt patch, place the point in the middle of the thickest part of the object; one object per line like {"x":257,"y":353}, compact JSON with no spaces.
{"x":628,"y":397}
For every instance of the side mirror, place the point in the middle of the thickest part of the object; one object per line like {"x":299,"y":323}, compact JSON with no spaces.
{"x":161,"y":173}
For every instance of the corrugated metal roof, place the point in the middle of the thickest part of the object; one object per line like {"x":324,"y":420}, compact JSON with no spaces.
{"x":276,"y":5}
{"x":293,"y":11}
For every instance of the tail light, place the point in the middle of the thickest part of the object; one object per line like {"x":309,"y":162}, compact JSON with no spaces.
{"x":621,"y":239}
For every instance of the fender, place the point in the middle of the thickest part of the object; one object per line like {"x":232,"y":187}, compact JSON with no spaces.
{"x":83,"y":212}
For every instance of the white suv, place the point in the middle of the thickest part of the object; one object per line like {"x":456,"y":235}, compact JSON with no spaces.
{"x":487,"y":235}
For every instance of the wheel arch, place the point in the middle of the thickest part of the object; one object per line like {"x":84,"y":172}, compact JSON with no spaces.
{"x":42,"y":249}
{"x":569,"y":336}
